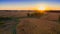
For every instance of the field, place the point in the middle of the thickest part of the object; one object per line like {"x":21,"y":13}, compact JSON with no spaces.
{"x":21,"y":22}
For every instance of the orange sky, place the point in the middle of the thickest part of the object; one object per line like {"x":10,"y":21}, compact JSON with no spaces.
{"x":29,"y":6}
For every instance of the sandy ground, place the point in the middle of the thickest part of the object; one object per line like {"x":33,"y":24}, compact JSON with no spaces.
{"x":43,"y":25}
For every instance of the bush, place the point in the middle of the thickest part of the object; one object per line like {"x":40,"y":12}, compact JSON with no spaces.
{"x":37,"y":14}
{"x":59,"y":19}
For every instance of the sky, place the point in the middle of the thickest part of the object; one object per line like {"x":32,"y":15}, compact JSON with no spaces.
{"x":29,"y":4}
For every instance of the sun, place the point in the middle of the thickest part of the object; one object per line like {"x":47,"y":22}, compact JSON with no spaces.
{"x":42,"y":8}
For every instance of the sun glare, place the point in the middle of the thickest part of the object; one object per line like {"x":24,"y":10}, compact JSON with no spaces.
{"x":41,"y":8}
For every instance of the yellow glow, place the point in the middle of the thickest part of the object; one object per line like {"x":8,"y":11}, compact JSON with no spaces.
{"x":41,"y":8}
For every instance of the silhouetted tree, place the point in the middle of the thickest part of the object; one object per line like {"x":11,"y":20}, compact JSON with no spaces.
{"x":59,"y":18}
{"x":28,"y":14}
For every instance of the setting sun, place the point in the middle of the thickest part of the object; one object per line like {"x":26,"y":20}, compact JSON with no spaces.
{"x":42,"y":8}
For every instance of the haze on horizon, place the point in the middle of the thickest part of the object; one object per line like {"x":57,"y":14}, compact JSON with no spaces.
{"x":29,"y":4}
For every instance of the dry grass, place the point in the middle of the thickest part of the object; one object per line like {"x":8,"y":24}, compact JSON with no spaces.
{"x":43,"y":25}
{"x":37,"y":26}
